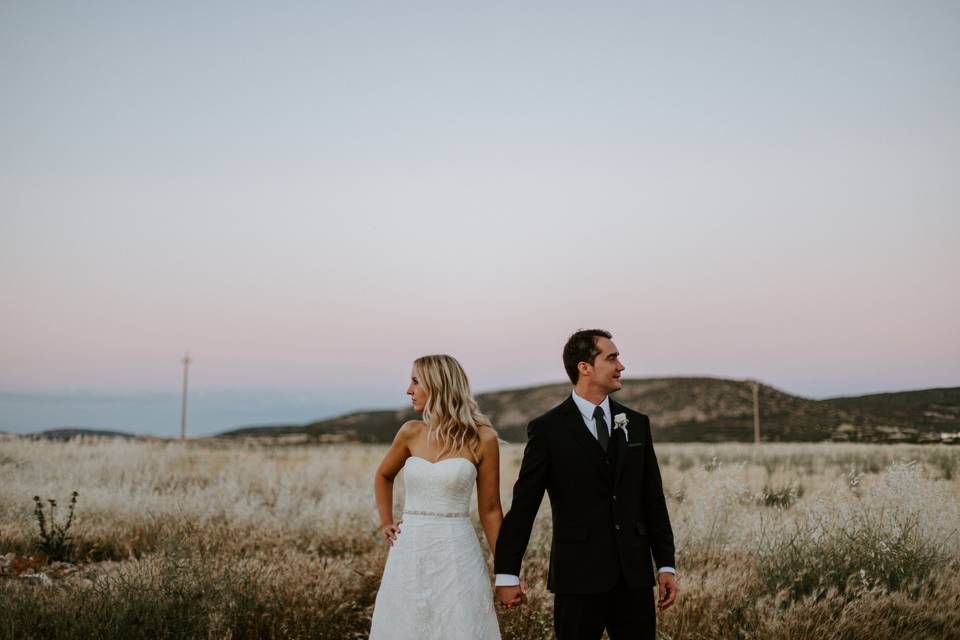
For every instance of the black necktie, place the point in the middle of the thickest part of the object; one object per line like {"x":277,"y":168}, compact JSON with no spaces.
{"x":603,"y":435}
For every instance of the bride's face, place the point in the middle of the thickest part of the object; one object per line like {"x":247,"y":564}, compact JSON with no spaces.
{"x":417,"y":393}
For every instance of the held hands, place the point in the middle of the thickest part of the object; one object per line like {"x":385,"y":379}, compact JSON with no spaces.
{"x":666,"y":590}
{"x":390,"y":532}
{"x":513,"y":596}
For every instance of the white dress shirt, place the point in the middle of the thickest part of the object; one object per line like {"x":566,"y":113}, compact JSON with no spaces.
{"x":586,"y":409}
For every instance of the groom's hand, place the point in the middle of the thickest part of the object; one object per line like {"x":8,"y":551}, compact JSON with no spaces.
{"x":513,"y":596}
{"x":666,"y":590}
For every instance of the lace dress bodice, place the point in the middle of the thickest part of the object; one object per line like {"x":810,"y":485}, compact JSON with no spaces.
{"x":434,"y":488}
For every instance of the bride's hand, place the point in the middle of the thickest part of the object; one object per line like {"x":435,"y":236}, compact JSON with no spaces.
{"x":390,"y":532}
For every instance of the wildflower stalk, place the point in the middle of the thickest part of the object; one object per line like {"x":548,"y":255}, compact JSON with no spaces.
{"x":54,"y":541}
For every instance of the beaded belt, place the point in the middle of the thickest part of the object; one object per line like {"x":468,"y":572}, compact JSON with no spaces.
{"x":434,"y":513}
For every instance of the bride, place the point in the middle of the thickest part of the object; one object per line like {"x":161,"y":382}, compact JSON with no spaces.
{"x":435,"y":582}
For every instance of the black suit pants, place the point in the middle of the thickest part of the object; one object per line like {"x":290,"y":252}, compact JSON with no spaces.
{"x":626,"y":614}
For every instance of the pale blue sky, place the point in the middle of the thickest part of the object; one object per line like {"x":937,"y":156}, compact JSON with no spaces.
{"x":310,"y":195}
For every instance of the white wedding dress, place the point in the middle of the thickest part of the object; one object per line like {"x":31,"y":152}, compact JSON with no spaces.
{"x":435,"y":582}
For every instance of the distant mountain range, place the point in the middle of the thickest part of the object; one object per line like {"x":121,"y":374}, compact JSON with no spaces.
{"x":72,"y":432}
{"x":685,"y":409}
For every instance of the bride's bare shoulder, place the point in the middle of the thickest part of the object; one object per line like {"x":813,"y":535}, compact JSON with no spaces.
{"x":489,"y":448}
{"x":413,"y":426}
{"x":487,"y":435}
{"x":411,"y":429}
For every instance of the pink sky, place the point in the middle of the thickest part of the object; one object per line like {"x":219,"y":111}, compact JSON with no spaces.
{"x":727,"y":194}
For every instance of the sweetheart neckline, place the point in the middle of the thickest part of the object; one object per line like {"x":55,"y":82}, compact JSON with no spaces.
{"x":445,"y":460}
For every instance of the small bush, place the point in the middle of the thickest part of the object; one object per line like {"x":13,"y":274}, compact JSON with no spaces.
{"x":946,"y":460}
{"x":781,"y":497}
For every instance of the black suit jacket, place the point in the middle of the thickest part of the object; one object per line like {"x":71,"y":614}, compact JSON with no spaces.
{"x":609,"y":511}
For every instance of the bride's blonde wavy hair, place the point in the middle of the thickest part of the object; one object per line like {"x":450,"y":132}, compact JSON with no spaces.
{"x":451,"y":413}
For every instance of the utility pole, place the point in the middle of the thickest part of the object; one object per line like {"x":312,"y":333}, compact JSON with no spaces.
{"x":183,"y":406}
{"x":756,"y":411}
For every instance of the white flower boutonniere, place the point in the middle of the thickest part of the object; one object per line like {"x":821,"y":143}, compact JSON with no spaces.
{"x":620,"y":422}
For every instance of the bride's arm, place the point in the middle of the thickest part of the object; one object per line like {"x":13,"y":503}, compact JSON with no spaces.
{"x":488,"y":487}
{"x":389,"y":467}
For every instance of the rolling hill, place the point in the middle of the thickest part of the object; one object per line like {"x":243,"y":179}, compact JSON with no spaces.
{"x":688,"y":409}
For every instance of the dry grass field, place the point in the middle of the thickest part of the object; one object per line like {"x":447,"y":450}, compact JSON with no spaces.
{"x":214,"y":539}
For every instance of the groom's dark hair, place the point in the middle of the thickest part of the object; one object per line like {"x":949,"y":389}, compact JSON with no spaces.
{"x":582,"y":347}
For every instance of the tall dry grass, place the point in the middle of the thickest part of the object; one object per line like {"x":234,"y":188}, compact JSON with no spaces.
{"x":237,"y":540}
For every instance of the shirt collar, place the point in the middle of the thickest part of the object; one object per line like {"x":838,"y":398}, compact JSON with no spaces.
{"x":587,"y":408}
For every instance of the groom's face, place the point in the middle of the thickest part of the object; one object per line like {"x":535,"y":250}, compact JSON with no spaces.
{"x":605,"y":372}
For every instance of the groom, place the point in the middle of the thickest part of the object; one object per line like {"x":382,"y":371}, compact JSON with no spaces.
{"x":594,"y":457}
